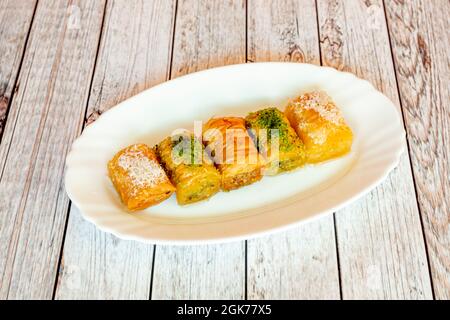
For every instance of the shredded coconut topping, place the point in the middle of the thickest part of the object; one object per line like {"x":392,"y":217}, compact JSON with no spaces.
{"x":318,"y":136}
{"x":321,"y":103}
{"x":143,"y":171}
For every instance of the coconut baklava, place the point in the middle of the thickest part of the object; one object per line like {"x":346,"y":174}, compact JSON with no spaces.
{"x":320,"y":125}
{"x":139,"y":178}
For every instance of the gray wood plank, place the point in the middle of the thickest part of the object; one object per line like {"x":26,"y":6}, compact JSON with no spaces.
{"x":300,"y":263}
{"x":199,"y":272}
{"x":420,"y":40}
{"x":16,"y":17}
{"x":297,"y":264}
{"x":46,"y":115}
{"x":207,"y":34}
{"x":134,"y":55}
{"x":380,"y":243}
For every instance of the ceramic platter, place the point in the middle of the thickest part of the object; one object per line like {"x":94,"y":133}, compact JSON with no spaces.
{"x":273,"y":203}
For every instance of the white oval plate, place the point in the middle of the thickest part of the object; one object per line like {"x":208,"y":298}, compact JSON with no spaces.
{"x":271,"y":204}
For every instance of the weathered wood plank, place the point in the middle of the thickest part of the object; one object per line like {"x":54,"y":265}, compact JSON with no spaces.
{"x":97,"y":265}
{"x":199,"y":272}
{"x":300,"y":263}
{"x":16,"y":17}
{"x":134,"y":55}
{"x":297,"y":264}
{"x":380,"y":242}
{"x":45,"y":116}
{"x":420,"y":39}
{"x":207,"y":34}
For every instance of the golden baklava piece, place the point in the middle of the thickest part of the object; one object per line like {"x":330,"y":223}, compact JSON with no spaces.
{"x":139,"y":178}
{"x":320,"y":125}
{"x":276,"y":140}
{"x":233,"y":152}
{"x":189,"y":167}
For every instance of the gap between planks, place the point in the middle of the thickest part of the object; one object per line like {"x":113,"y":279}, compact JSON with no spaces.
{"x":83,"y":125}
{"x":5,"y":101}
{"x":408,"y":150}
{"x":120,"y":269}
{"x":32,"y":255}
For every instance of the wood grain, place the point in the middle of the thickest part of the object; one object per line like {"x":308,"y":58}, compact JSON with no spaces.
{"x":16,"y":17}
{"x":380,"y":243}
{"x":199,"y":272}
{"x":301,"y":263}
{"x":283,"y":30}
{"x":97,"y":265}
{"x":420,"y":42}
{"x":46,"y":115}
{"x":46,"y":67}
{"x":207,"y":34}
{"x":296,"y":264}
{"x":134,"y":55}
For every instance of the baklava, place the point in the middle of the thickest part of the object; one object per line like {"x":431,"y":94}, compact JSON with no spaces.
{"x":277,"y":142}
{"x":139,"y":178}
{"x":190,"y":169}
{"x":233,"y":152}
{"x":320,"y":125}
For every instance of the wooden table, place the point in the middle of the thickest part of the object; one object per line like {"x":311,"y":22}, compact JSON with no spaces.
{"x":63,"y":63}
